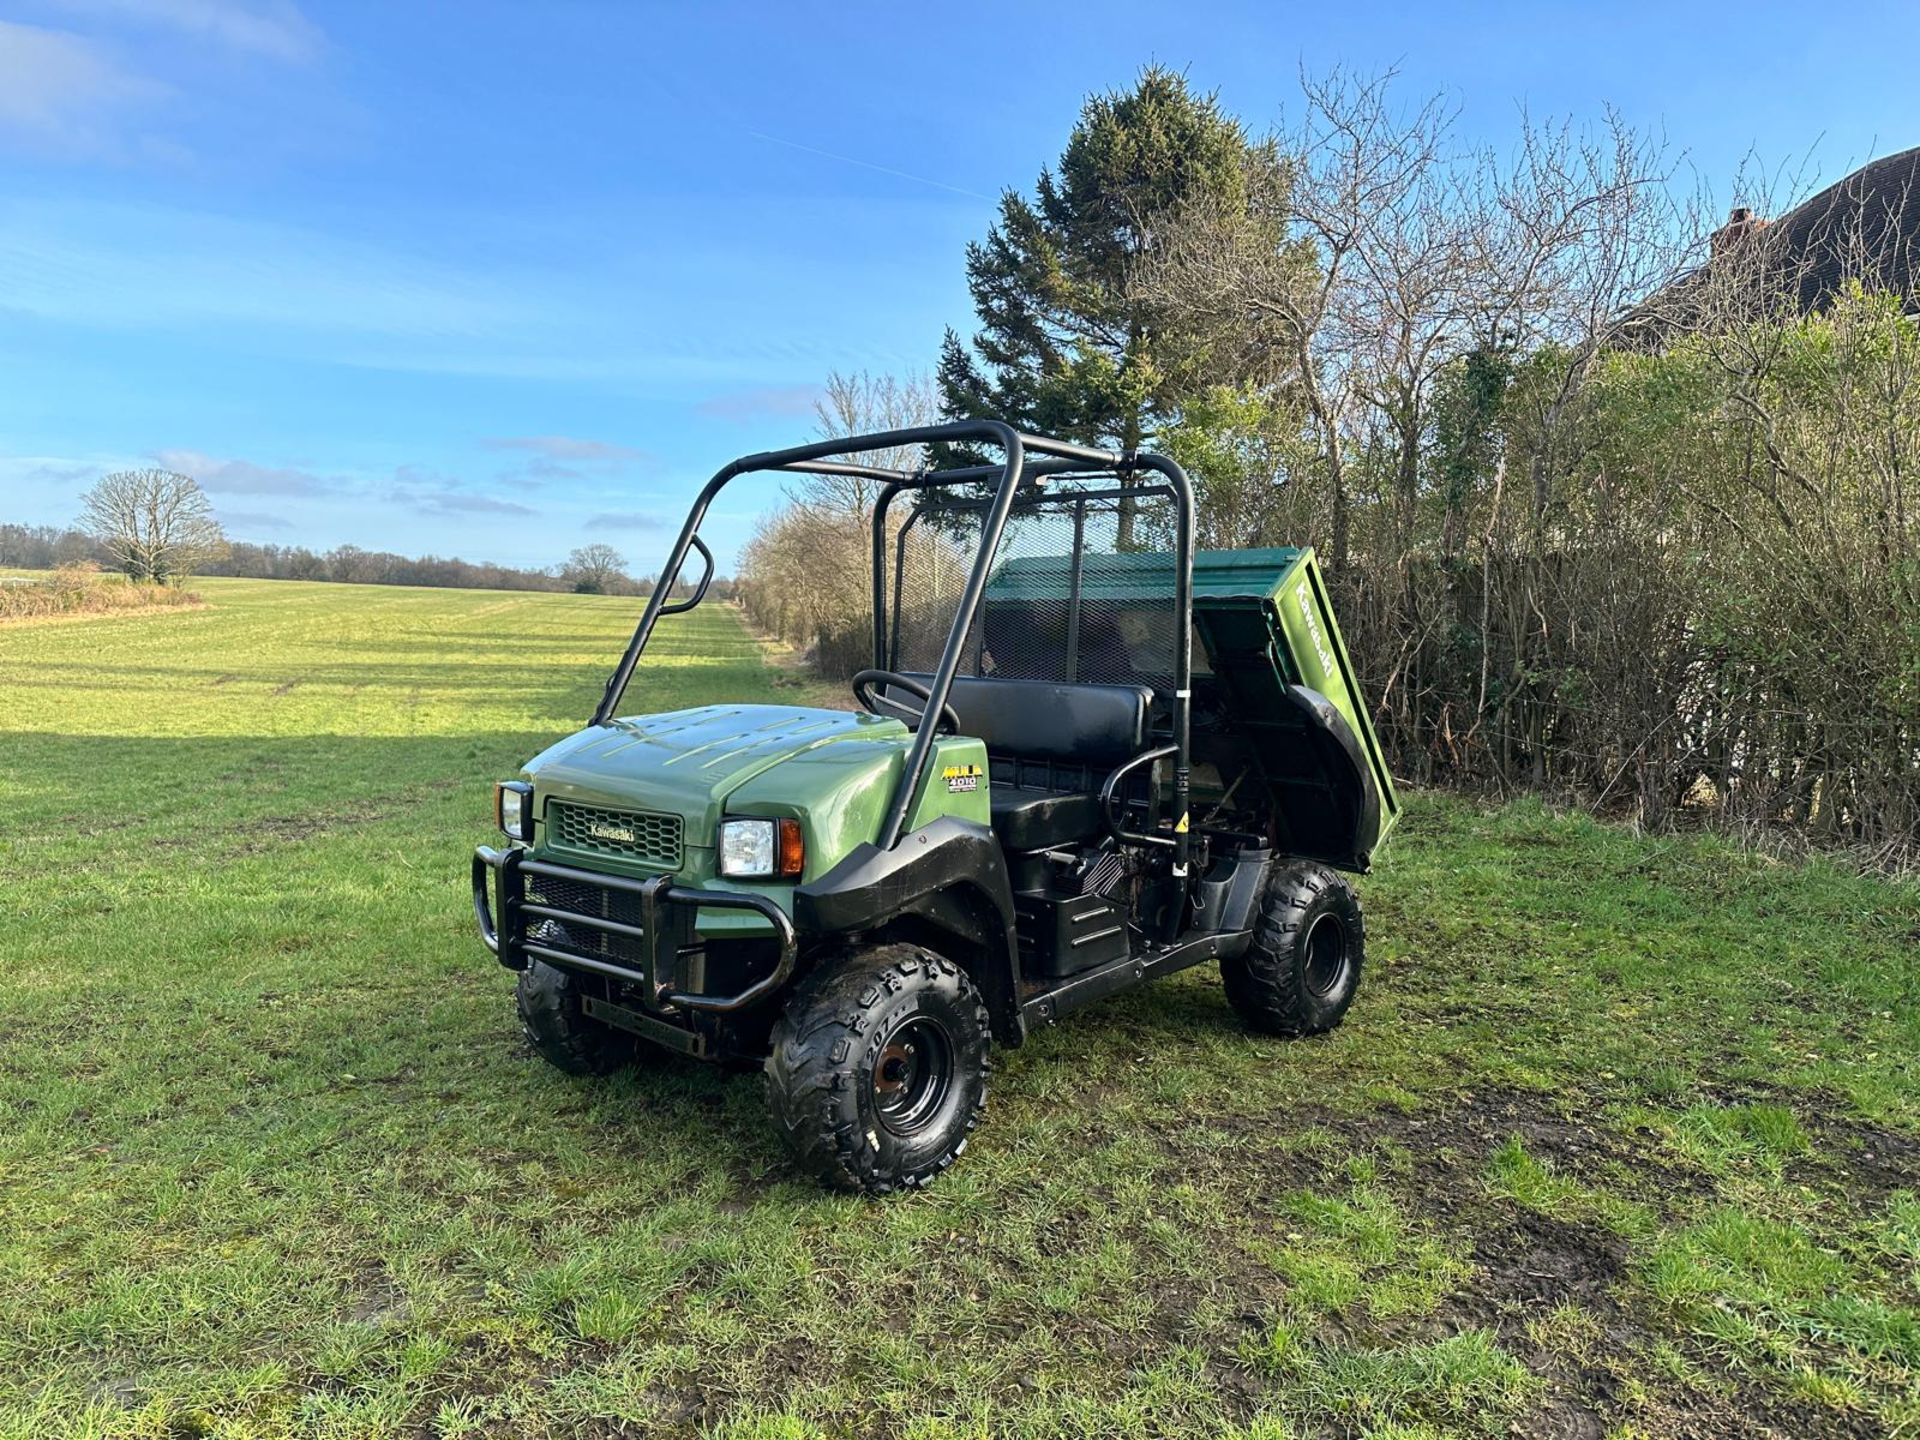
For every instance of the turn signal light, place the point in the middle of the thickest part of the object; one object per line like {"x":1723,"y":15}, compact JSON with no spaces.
{"x":792,"y":856}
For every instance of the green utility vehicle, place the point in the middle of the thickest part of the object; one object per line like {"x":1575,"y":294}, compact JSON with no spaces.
{"x":1086,"y":756}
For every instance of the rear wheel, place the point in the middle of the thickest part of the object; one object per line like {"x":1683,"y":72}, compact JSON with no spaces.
{"x":879,"y":1069}
{"x":1300,"y":973}
{"x":558,"y":1027}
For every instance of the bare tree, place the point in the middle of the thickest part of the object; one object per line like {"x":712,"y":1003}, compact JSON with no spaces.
{"x":860,"y":404}
{"x":1376,"y":255}
{"x":1344,"y":209}
{"x":803,"y":575}
{"x":592,"y":569}
{"x":156,"y":524}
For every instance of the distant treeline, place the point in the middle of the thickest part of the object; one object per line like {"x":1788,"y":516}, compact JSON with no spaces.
{"x":42,"y":547}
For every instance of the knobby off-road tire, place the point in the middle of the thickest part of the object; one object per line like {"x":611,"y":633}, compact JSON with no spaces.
{"x":1300,"y":974}
{"x":559,"y":1028}
{"x":879,"y":1069}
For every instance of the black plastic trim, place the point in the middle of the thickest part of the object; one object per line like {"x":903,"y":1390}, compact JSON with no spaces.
{"x":1136,"y":969}
{"x":1322,"y":715}
{"x":634,"y":1022}
{"x":920,"y":877}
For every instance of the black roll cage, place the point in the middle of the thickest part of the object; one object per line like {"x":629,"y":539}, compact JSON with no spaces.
{"x":1062,"y":458}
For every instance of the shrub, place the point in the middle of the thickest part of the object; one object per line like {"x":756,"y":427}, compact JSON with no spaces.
{"x":82,"y":588}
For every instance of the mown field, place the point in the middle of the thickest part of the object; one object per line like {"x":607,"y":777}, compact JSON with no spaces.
{"x":1622,"y":1138}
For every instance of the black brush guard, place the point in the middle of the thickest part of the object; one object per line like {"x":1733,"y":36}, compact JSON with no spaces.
{"x":662,"y":929}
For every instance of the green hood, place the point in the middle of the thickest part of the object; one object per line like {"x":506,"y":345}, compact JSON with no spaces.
{"x":689,"y":762}
{"x":832,"y":770}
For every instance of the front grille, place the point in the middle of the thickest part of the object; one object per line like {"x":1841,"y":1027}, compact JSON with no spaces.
{"x":628,"y":834}
{"x":583,"y":898}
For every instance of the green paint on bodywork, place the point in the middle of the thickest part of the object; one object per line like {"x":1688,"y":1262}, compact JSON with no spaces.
{"x":832,"y":770}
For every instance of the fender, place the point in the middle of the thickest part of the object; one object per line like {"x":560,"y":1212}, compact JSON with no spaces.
{"x":950,"y":875}
{"x":1350,"y":842}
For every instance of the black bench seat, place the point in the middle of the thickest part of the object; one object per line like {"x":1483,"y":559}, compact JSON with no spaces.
{"x":1050,"y":746}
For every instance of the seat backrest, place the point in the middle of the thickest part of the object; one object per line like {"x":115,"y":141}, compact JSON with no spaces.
{"x":1097,"y":725}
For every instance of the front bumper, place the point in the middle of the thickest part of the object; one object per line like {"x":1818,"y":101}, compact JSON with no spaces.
{"x":642,"y":930}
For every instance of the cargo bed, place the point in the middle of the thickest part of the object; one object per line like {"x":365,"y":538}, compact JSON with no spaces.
{"x":1269,"y":646}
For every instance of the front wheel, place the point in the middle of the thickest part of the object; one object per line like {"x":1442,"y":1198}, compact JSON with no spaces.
{"x":557,"y":1026}
{"x":1300,"y":973}
{"x":879,"y":1069}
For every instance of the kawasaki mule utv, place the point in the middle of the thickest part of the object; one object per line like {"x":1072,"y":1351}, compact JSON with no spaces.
{"x":1048,"y":796}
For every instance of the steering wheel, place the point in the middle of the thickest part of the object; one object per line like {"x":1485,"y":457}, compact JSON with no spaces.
{"x":878,"y":702}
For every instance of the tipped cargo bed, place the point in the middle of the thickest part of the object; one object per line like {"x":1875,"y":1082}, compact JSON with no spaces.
{"x":1275,"y":658}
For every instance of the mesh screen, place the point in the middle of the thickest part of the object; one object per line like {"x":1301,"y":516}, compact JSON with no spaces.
{"x":1081,"y":588}
{"x":586,"y":899}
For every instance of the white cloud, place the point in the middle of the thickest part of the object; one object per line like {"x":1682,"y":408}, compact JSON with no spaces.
{"x":427,"y":491}
{"x":244,"y":477}
{"x":625,"y":520}
{"x":251,"y":519}
{"x":274,"y":29}
{"x":455,"y":502}
{"x":62,"y":92}
{"x":762,"y":402}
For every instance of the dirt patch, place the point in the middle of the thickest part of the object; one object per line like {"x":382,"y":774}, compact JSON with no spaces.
{"x":1870,"y":1162}
{"x":1875,"y":1163}
{"x":382,"y":1305}
{"x":1540,"y":1261}
{"x":1529,"y":1264}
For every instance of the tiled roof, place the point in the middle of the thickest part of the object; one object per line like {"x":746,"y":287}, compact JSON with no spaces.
{"x":1867,"y":227}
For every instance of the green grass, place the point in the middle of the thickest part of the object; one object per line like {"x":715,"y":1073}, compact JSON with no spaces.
{"x":1618,"y":1125}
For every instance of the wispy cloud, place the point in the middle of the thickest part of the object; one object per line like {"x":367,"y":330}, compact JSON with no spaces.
{"x":251,"y":519}
{"x":762,"y":403}
{"x":273,"y":29}
{"x":131,"y":266}
{"x":244,"y":477}
{"x":427,"y":491}
{"x":567,"y":448}
{"x":85,"y":93}
{"x":625,"y":520}
{"x":539,"y":471}
{"x":459,"y":502}
{"x":62,"y":470}
{"x":869,"y":165}
{"x":63,"y":93}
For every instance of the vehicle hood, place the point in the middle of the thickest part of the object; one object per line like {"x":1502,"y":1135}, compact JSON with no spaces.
{"x":687,"y":762}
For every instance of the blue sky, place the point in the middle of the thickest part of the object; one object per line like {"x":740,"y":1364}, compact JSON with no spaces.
{"x":495,"y":280}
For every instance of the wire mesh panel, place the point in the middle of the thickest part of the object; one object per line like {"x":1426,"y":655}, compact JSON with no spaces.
{"x":1081,"y":588}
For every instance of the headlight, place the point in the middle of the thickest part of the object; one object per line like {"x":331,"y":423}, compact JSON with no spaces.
{"x":513,"y":809}
{"x":761,"y":849}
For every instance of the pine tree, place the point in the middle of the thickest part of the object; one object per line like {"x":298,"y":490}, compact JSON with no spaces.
{"x":1065,"y":345}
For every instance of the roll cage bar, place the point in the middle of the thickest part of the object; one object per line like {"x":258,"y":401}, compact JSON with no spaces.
{"x":1059,"y":458}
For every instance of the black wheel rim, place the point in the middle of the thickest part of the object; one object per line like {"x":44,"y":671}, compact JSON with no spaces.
{"x":1326,"y":954}
{"x":912,"y":1074}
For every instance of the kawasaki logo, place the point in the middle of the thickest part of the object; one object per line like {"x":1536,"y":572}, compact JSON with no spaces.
{"x":1322,"y":651}
{"x":602,"y":830}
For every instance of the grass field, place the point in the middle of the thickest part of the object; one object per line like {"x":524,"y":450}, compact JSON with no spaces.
{"x":1622,"y":1138}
